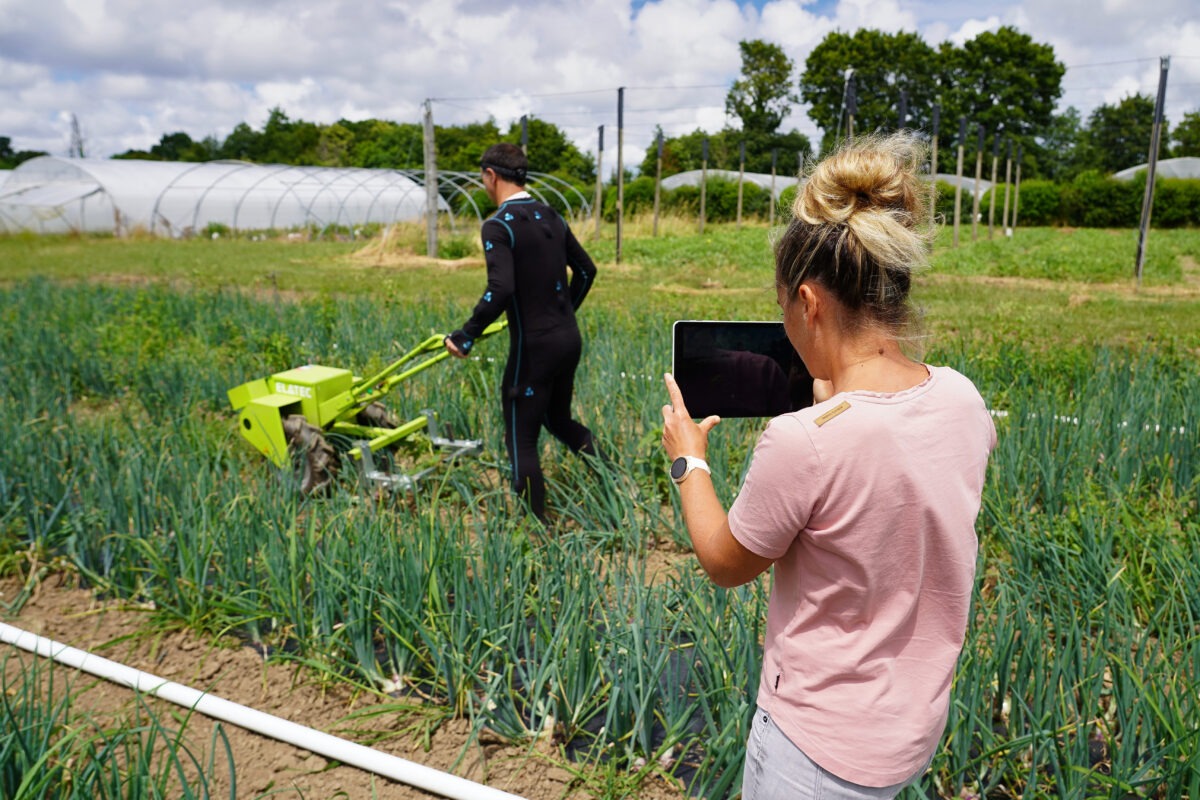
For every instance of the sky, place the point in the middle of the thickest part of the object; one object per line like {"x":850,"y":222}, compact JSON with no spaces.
{"x":131,"y":71}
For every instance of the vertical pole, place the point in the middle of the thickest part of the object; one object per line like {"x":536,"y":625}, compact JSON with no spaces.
{"x":933,"y":158}
{"x":525,"y":134}
{"x":1156,"y":134}
{"x":978,"y":179}
{"x":851,"y":106}
{"x":992,"y":191}
{"x":962,"y":136}
{"x":431,"y":192}
{"x":658,"y":180}
{"x":620,"y":166}
{"x":771,"y":211}
{"x":703,"y":178}
{"x":902,"y":111}
{"x":1007,"y":181}
{"x":599,"y":180}
{"x":741,"y":177}
{"x":1017,"y":189}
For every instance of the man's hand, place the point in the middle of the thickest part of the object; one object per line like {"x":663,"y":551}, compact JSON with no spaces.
{"x":453,"y":348}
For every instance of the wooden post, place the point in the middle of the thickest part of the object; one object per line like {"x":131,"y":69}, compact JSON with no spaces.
{"x":992,"y":201}
{"x":771,"y":212}
{"x":431,"y":192}
{"x":658,"y":180}
{"x":962,"y":136}
{"x":620,"y":167}
{"x":1155,"y":136}
{"x":741,"y":177}
{"x":703,"y":178}
{"x":933,"y":158}
{"x":978,"y":179}
{"x":1017,"y":189}
{"x":525,"y":134}
{"x":851,"y":105}
{"x":599,"y":180}
{"x":1007,"y":181}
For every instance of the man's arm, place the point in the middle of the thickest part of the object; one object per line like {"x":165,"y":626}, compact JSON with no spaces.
{"x":583,"y":269}
{"x":501,"y":283}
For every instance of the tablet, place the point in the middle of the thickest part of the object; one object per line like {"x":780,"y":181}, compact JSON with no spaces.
{"x":737,"y":369}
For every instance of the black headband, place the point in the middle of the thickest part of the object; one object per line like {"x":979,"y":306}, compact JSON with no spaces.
{"x":514,"y":175}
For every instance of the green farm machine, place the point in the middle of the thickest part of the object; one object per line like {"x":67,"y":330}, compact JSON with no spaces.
{"x":293,"y":418}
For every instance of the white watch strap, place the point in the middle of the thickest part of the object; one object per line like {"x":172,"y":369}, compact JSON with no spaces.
{"x":693,"y":462}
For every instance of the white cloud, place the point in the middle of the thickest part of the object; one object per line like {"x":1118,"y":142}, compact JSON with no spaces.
{"x":133,"y":70}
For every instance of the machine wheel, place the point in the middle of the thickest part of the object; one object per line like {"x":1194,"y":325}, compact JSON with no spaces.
{"x":376,"y":415}
{"x":315,"y":459}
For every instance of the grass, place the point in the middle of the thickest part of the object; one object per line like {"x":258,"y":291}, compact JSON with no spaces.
{"x":1081,"y":672}
{"x":1043,"y":284}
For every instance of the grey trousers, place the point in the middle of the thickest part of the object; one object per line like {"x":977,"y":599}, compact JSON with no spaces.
{"x":778,"y":770}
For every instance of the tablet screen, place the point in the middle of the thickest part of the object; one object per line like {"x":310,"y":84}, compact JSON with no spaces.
{"x":738,"y":369}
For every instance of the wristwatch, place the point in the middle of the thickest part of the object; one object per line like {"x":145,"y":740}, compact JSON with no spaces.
{"x":683,"y":466}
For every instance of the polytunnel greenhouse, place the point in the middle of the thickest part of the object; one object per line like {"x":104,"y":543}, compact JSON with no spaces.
{"x":58,"y":195}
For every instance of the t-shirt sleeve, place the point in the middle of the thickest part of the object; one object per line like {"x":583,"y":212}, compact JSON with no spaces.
{"x":780,"y":491}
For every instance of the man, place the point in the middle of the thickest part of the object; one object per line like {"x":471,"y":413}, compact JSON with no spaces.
{"x":528,"y":247}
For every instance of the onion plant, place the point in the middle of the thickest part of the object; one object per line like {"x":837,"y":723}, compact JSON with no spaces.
{"x":1081,"y":671}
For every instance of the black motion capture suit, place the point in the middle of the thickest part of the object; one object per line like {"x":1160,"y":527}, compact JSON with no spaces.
{"x":528,"y":246}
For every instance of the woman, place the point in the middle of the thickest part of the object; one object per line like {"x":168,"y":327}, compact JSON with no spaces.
{"x":864,"y":503}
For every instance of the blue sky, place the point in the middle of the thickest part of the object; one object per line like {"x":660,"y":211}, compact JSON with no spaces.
{"x":133,"y":70}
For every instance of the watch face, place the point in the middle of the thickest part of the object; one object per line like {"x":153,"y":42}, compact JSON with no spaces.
{"x":678,"y":467}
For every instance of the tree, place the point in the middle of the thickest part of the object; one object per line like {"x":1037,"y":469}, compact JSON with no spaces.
{"x":883,"y":64}
{"x":1001,"y":79}
{"x":1186,"y":136}
{"x":763,"y":96}
{"x":10,"y":159}
{"x":550,"y":150}
{"x":1055,"y":153}
{"x":1118,"y":136}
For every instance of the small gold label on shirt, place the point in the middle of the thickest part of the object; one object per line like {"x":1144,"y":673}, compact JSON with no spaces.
{"x":831,"y":413}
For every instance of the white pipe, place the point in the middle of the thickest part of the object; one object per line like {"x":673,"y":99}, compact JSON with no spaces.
{"x":332,"y":747}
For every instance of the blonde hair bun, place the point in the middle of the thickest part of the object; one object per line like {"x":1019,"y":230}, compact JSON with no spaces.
{"x":861,"y":225}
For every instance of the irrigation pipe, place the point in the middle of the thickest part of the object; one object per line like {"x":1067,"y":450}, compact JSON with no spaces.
{"x":332,"y":747}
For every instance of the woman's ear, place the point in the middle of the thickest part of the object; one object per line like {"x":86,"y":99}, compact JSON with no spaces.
{"x":808,"y":300}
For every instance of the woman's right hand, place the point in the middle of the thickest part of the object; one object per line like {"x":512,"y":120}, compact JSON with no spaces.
{"x":681,"y":435}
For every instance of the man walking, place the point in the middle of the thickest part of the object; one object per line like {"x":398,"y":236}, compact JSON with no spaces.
{"x":528,"y":247}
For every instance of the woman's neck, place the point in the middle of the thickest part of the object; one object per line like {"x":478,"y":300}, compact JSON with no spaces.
{"x":874,"y":364}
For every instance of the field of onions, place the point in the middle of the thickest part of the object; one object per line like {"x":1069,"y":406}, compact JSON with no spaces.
{"x":1081,"y":673}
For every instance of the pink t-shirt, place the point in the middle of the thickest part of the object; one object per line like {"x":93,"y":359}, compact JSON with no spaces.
{"x":867,"y":503}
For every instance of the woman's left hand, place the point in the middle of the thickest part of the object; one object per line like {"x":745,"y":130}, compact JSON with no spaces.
{"x":681,"y":435}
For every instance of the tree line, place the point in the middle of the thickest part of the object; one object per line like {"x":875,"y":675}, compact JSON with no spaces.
{"x":1001,"y":81}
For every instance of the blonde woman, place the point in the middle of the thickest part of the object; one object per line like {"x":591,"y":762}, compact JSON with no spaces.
{"x":864,"y":504}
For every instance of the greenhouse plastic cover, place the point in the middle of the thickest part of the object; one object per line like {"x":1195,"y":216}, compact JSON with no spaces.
{"x":1186,"y":167}
{"x":51,"y":194}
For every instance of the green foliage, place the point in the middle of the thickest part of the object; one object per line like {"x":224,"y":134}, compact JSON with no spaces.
{"x":54,"y":750}
{"x":1040,"y":203}
{"x":1118,"y":136}
{"x":1095,"y":201}
{"x":1086,"y":600}
{"x":684,"y":153}
{"x":883,"y":64}
{"x":763,"y":95}
{"x":11,"y":159}
{"x":1001,"y":79}
{"x":1054,"y":154}
{"x":1186,"y":136}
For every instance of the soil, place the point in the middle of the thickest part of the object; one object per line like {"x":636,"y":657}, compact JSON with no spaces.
{"x":60,"y":611}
